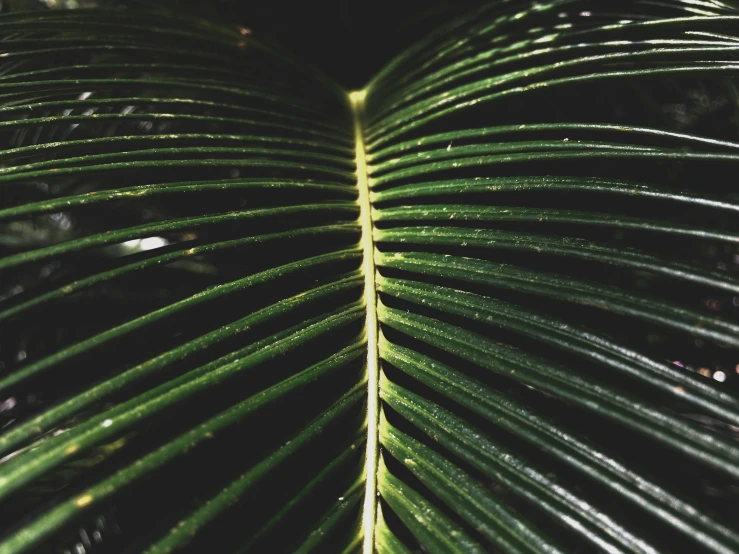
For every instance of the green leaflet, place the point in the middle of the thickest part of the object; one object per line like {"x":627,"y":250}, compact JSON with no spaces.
{"x":553,"y":439}
{"x":487,"y":303}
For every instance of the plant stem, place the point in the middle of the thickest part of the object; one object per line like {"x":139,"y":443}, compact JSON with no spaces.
{"x":370,"y":296}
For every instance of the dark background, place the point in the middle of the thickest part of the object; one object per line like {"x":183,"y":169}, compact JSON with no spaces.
{"x":348,"y":40}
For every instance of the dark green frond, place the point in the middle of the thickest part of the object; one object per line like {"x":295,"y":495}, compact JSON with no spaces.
{"x":487,"y":304}
{"x":181,"y":289}
{"x":554,"y":206}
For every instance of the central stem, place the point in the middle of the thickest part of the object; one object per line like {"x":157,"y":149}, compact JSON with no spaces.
{"x":370,"y":298}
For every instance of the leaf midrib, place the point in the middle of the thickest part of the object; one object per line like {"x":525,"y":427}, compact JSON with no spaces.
{"x":356,"y":101}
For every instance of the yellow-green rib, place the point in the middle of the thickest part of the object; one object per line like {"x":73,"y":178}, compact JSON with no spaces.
{"x":370,"y":296}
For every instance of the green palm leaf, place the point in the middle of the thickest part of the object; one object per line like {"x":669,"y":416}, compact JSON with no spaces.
{"x":486,"y":304}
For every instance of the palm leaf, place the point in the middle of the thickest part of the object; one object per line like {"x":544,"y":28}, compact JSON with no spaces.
{"x":488,"y":303}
